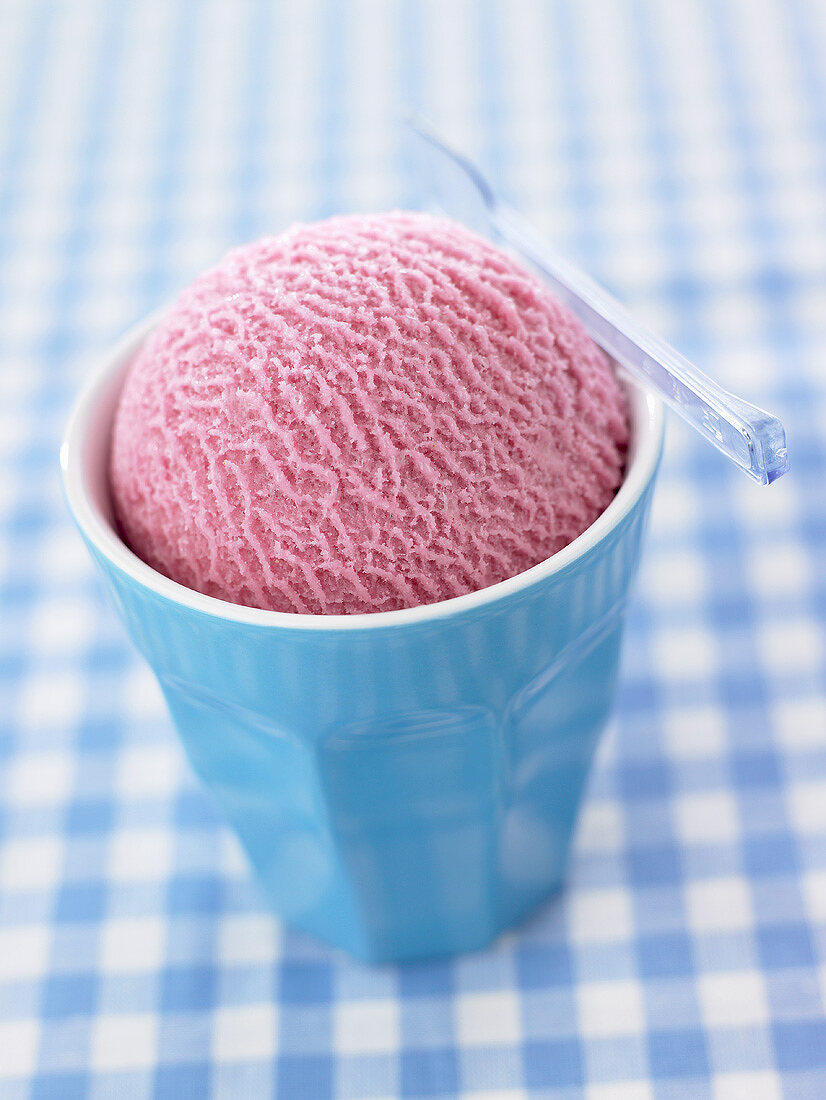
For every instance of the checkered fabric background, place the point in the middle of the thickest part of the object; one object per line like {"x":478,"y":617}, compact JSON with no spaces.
{"x":675,"y":149}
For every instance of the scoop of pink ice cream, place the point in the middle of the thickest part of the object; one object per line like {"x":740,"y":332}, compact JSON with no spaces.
{"x":363,"y":414}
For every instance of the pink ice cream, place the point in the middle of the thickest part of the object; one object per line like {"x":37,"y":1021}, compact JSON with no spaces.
{"x":363,"y":414}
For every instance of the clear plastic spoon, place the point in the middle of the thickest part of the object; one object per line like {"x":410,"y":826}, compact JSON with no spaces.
{"x":752,"y":438}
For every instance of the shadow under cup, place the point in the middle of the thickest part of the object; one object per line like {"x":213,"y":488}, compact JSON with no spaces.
{"x":405,"y":783}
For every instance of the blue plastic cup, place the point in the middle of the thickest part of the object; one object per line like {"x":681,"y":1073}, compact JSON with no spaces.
{"x":405,"y":783}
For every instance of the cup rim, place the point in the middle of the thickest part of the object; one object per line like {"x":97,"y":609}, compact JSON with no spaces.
{"x":647,"y":415}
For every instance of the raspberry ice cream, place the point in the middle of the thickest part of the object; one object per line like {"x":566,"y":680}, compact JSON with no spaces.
{"x":363,"y":414}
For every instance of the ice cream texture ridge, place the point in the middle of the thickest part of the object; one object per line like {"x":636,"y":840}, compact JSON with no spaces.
{"x":363,"y":414}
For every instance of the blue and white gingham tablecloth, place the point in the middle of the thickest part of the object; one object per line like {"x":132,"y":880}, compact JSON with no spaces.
{"x":676,"y":149}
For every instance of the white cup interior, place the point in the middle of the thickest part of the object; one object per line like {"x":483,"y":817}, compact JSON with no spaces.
{"x":84,"y":464}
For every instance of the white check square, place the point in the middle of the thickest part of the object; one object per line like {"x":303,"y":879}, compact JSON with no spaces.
{"x":30,"y":864}
{"x":807,"y":806}
{"x":675,"y":578}
{"x":132,"y":945}
{"x":619,"y":1090}
{"x":366,"y":1027}
{"x":40,"y":779}
{"x":249,"y":939}
{"x":601,"y":827}
{"x":245,"y":1032}
{"x":124,"y":1042}
{"x":50,"y":698}
{"x":706,"y":817}
{"x":814,"y":894}
{"x":488,"y":1018}
{"x":610,"y":1008}
{"x":719,"y":905}
{"x":61,"y":625}
{"x":792,"y":646}
{"x":599,"y":915}
{"x":24,"y":951}
{"x":781,"y":569}
{"x":747,"y":1085}
{"x":800,"y":723}
{"x":19,"y":1040}
{"x":695,"y":733}
{"x":149,"y":771}
{"x":685,"y":653}
{"x":141,"y":854}
{"x":733,"y":999}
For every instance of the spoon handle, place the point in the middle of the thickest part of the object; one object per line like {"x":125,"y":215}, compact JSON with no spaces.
{"x":752,"y":438}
